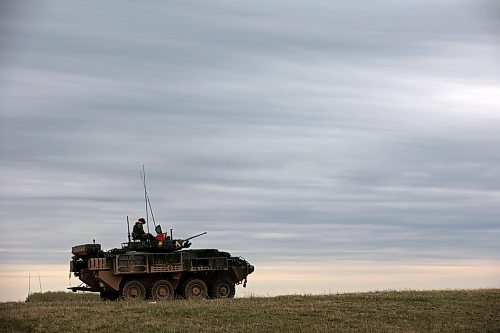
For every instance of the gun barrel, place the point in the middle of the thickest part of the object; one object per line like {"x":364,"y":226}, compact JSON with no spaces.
{"x":195,"y":236}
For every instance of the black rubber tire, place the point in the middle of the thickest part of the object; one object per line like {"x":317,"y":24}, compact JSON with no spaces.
{"x":195,"y":289}
{"x":222,"y":288}
{"x":162,"y":290}
{"x":133,"y":291}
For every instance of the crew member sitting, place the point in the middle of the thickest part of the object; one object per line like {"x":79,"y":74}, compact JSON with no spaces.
{"x":138,"y":231}
{"x":160,"y":236}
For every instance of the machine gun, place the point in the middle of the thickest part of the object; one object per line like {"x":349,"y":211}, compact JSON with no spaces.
{"x":185,"y":243}
{"x":172,"y":245}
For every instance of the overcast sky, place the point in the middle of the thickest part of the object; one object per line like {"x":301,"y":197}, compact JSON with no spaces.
{"x":290,"y":131}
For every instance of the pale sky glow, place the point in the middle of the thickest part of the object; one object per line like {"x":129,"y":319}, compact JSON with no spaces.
{"x":307,"y":133}
{"x":289,"y":278}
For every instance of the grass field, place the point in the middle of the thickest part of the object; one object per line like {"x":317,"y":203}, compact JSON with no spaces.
{"x":391,"y":311}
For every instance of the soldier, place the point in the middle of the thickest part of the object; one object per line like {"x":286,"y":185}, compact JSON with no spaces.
{"x":160,"y":236}
{"x":138,"y":231}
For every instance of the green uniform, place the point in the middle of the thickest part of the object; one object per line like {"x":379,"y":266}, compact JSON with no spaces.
{"x":138,"y":232}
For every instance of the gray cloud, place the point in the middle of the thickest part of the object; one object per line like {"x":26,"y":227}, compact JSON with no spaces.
{"x":289,"y":132}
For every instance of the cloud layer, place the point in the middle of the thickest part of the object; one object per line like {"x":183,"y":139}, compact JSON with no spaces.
{"x":289,"y":132}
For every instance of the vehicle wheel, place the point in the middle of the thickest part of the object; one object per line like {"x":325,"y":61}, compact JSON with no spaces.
{"x":109,"y":295}
{"x":222,"y":288}
{"x":133,"y":290}
{"x":162,"y":290}
{"x":195,"y":289}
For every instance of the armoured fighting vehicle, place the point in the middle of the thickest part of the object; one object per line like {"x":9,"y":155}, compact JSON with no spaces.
{"x":158,"y":270}
{"x":162,"y":269}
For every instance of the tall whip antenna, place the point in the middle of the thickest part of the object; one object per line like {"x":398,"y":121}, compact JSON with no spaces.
{"x":143,"y":177}
{"x":146,"y":196}
{"x":128,"y":229}
{"x":151,"y":211}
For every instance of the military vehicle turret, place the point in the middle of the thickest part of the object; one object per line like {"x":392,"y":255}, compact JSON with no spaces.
{"x":158,"y":271}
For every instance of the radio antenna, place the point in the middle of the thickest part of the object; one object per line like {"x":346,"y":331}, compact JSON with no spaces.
{"x":128,"y":229}
{"x":143,"y":177}
{"x":146,"y":199}
{"x":151,"y":211}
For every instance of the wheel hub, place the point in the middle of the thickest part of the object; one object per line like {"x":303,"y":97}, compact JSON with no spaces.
{"x":163,"y":292}
{"x":196,"y":290}
{"x":134,"y":292}
{"x":223,"y":291}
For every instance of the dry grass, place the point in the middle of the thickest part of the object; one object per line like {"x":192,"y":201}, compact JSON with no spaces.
{"x":54,"y":296}
{"x":405,"y":311}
